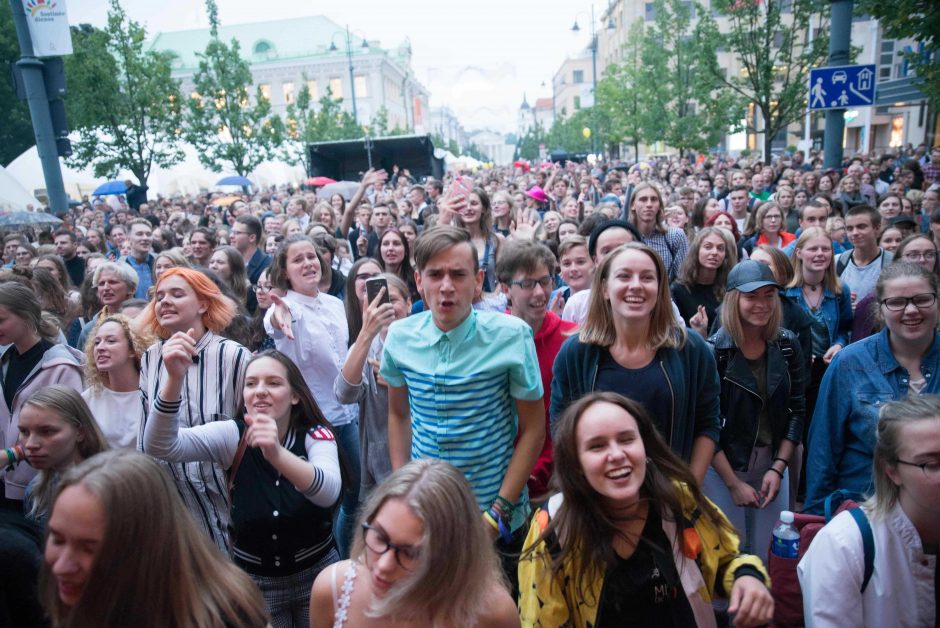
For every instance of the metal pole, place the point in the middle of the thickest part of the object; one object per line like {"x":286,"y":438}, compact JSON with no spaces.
{"x":840,"y":39}
{"x":31,"y":68}
{"x":352,"y":79}
{"x":593,"y":84}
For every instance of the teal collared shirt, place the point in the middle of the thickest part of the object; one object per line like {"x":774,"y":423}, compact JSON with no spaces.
{"x":462,"y":386}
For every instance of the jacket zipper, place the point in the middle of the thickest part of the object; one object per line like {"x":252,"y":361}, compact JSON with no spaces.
{"x":672,"y":394}
{"x":757,"y":428}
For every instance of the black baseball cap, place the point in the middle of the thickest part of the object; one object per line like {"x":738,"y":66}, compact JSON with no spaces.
{"x":904,"y":219}
{"x":749,"y":276}
{"x":610,"y":224}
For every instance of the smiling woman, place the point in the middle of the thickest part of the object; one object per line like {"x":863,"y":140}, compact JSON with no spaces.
{"x":614,"y":547}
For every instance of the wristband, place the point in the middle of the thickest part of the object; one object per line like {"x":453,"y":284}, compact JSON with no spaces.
{"x":490,"y":520}
{"x":504,"y":505}
{"x":502,"y":524}
{"x":786,"y":462}
{"x":780,"y":473}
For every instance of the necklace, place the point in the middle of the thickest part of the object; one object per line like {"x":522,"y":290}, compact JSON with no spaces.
{"x":813,"y":299}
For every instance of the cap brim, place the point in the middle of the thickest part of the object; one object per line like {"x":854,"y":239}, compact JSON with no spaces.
{"x":751,"y":286}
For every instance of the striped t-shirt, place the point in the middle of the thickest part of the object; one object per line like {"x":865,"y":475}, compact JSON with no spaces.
{"x":462,"y":386}
{"x":211,"y":391}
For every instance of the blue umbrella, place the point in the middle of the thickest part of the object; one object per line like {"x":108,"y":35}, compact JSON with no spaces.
{"x":111,"y":187}
{"x":234,"y":180}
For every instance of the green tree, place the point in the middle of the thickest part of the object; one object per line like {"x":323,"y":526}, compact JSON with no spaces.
{"x":304,"y":125}
{"x":685,"y":107}
{"x":16,"y":130}
{"x":920,"y":20}
{"x":222,"y":122}
{"x":122,"y":100}
{"x":771,"y":40}
{"x":623,"y":96}
{"x":528,"y":145}
{"x":379,"y":125}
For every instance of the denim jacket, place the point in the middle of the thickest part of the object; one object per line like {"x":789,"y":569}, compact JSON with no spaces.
{"x":836,"y":311}
{"x":860,"y":380}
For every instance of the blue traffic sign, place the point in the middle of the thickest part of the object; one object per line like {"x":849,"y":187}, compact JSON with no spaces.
{"x":841,"y":87}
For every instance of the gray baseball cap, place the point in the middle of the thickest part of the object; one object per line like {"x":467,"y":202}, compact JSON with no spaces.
{"x":749,"y":276}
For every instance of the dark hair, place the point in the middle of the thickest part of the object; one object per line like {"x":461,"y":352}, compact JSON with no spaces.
{"x":208,"y":233}
{"x":610,"y":224}
{"x":65,"y":232}
{"x":865,"y":210}
{"x":278,"y":269}
{"x":306,"y":413}
{"x":523,"y":256}
{"x":405,"y":271}
{"x":253,"y":225}
{"x":587,"y":528}
{"x":351,"y":302}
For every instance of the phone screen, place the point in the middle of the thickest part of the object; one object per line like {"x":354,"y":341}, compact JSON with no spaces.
{"x":373,"y":286}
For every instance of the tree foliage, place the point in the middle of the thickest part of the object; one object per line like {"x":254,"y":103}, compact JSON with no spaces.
{"x":683,"y":103}
{"x":622,"y":94}
{"x":771,"y":40}
{"x":304,"y":125}
{"x":224,"y":124}
{"x":122,"y":100}
{"x":919,"y":20}
{"x":16,"y":130}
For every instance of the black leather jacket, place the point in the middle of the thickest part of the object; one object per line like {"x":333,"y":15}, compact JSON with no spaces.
{"x":741,"y":404}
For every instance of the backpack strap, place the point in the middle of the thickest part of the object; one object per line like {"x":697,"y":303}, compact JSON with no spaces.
{"x":868,"y":543}
{"x":844,"y":258}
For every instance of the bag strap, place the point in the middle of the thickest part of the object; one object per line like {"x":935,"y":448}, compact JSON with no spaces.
{"x":236,"y":461}
{"x":843,"y":261}
{"x":868,"y":543}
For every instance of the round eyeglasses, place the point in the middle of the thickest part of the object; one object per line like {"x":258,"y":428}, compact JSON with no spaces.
{"x":405,"y":555}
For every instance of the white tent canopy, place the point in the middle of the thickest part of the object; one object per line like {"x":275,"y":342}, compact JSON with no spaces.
{"x":186,"y":177}
{"x":13,"y":196}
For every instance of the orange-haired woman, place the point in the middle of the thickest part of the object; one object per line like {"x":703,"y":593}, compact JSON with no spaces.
{"x":187,"y":302}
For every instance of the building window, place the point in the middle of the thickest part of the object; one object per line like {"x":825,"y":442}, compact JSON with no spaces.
{"x":336,"y":88}
{"x":265,"y":90}
{"x":578,"y":76}
{"x":362,"y":90}
{"x":650,"y":9}
{"x":287,"y":89}
{"x":886,"y":60}
{"x":312,"y":88}
{"x":263,"y":47}
{"x":897,"y":132}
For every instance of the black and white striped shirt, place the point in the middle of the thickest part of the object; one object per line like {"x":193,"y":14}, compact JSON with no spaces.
{"x":212,"y":390}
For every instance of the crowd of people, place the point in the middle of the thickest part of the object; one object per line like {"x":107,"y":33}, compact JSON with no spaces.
{"x":584,"y":392}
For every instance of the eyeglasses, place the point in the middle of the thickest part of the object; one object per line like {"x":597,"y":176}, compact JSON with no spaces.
{"x":931,"y":469}
{"x":920,"y":301}
{"x":545,"y":282}
{"x":916,"y":256}
{"x":405,"y":555}
{"x":264,"y":288}
{"x":773,"y":217}
{"x":365,"y":276}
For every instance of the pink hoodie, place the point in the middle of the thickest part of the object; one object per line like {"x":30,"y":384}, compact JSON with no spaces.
{"x":59,"y":365}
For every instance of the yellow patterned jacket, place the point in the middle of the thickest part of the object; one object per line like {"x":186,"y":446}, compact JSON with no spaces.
{"x":703,"y":555}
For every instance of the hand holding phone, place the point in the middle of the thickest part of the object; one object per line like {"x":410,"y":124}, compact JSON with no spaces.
{"x":373,"y":286}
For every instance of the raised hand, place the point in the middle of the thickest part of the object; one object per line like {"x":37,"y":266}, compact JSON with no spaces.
{"x":262,"y":433}
{"x":282,"y":318}
{"x":377,"y":315}
{"x":699,"y":322}
{"x":178,"y":353}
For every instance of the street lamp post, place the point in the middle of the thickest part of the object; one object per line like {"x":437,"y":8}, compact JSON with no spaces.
{"x":352,"y":78}
{"x":576,"y":29}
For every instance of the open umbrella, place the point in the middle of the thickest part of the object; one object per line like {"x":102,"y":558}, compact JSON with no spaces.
{"x":234,"y":180}
{"x":111,"y":187}
{"x":20,"y":220}
{"x":319,"y":181}
{"x":346,"y":188}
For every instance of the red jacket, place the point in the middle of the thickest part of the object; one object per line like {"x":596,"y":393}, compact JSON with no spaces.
{"x":548,"y":342}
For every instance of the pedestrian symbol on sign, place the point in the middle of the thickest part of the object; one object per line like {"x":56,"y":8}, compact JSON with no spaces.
{"x":819,"y":94}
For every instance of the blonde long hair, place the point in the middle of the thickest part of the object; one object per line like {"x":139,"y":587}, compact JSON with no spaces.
{"x":830,"y":279}
{"x":598,"y":327}
{"x":458,"y":566}
{"x":173,"y":575}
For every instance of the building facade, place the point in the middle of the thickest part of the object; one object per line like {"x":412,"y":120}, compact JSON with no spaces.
{"x":285,"y":55}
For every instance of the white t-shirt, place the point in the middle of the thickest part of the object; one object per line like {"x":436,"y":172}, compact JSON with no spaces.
{"x":118,"y":415}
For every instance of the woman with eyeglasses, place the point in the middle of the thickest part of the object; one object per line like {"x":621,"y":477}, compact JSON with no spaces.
{"x":415,"y":561}
{"x":916,"y":249}
{"x":902,"y":359}
{"x":769,"y":228}
{"x":260,"y":339}
{"x":904,"y":517}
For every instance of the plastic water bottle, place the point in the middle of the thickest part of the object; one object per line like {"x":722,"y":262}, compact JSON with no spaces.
{"x":786,"y":543}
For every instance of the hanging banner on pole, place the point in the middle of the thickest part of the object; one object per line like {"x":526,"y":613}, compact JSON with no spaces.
{"x":48,"y":27}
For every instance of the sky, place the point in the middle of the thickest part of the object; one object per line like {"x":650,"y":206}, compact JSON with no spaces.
{"x":477,"y":58}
